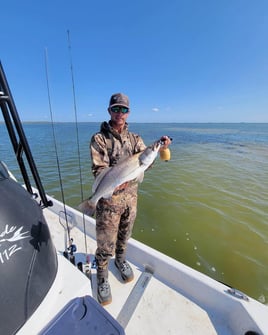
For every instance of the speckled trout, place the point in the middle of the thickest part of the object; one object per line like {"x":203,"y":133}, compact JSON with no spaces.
{"x":129,"y":169}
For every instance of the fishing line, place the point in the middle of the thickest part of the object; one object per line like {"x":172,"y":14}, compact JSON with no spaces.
{"x":55,"y":145}
{"x":77,"y":132}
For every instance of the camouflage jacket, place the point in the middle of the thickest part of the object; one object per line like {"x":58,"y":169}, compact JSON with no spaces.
{"x":107,"y":146}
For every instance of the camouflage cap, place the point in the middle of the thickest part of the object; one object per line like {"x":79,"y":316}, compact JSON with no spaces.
{"x":119,"y":99}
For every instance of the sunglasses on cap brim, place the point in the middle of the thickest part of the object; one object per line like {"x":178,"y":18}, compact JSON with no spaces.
{"x":119,"y":109}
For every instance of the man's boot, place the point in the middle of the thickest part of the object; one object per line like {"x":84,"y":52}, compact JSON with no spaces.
{"x":104,"y":289}
{"x":124,"y":269}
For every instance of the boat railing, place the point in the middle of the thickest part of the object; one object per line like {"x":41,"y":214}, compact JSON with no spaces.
{"x":19,"y":140}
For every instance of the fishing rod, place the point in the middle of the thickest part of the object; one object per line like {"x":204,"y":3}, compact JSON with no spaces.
{"x":57,"y":156}
{"x":19,"y":140}
{"x":77,"y":132}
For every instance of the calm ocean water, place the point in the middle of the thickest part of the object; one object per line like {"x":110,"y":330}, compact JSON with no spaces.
{"x":206,"y":207}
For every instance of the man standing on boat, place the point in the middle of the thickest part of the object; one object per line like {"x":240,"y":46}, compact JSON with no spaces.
{"x":115,"y":216}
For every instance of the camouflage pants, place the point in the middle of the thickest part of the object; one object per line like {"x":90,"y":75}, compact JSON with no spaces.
{"x":114,"y":223}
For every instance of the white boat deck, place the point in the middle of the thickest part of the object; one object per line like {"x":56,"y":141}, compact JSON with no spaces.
{"x":153,"y":304}
{"x":160,"y":309}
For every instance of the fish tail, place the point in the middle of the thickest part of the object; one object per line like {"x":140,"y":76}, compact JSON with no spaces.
{"x":87,"y":207}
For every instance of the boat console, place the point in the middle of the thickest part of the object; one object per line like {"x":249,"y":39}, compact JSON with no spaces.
{"x":28,"y":259}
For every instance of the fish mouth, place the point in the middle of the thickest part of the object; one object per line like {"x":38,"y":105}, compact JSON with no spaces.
{"x":156,"y":146}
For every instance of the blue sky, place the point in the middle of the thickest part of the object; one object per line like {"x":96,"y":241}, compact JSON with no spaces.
{"x":178,"y":61}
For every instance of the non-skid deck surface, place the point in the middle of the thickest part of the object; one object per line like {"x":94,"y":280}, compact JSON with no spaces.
{"x":145,"y":305}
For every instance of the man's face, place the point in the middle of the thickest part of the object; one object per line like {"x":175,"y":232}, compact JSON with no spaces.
{"x":119,"y":114}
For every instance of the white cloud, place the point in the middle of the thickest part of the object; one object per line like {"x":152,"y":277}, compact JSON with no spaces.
{"x":155,"y":109}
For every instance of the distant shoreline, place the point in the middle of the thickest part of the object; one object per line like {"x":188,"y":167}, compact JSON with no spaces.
{"x":98,"y":122}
